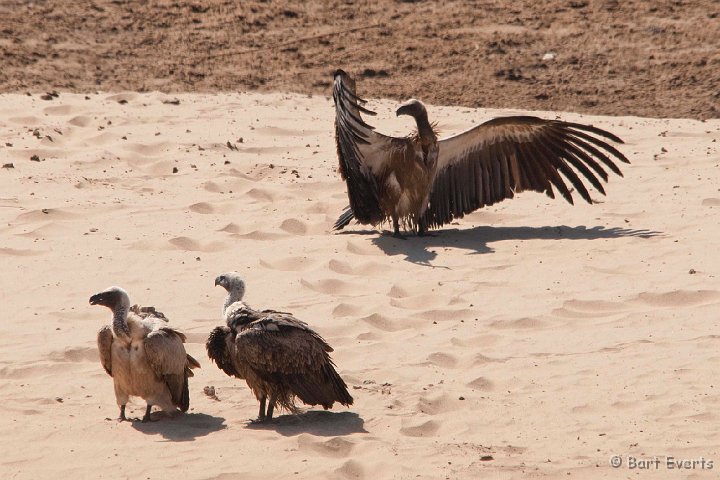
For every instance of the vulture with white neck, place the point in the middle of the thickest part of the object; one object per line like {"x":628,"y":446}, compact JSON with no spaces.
{"x":279,"y":356}
{"x":144,"y":356}
{"x":422,"y":181}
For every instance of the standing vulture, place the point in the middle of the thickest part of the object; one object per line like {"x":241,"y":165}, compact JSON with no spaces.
{"x":145,"y":356}
{"x":421,"y":181}
{"x":279,"y":356}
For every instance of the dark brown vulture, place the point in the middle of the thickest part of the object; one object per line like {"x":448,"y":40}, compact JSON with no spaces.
{"x":423,"y":182}
{"x":144,"y":356}
{"x":279,"y":356}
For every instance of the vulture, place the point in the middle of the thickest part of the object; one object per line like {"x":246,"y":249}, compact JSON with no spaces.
{"x":279,"y":356}
{"x":422,"y":181}
{"x":144,"y":356}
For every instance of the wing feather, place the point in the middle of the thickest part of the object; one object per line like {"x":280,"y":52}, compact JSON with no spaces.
{"x":506,"y":155}
{"x":104,"y":341}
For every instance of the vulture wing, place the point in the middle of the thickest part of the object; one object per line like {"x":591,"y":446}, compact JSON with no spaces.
{"x":166,"y":355}
{"x":363,"y":153}
{"x":281,"y":343}
{"x":506,"y":155}
{"x":287,"y":350}
{"x":104,"y":341}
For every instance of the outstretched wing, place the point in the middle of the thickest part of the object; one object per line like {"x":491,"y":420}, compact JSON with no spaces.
{"x":507,"y":155}
{"x":104,"y":341}
{"x":362,"y":152}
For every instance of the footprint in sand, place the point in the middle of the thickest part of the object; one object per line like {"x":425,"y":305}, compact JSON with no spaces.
{"x":294,"y":226}
{"x":678,"y":298}
{"x":351,"y":469}
{"x":345,"y":310}
{"x":75,"y":354}
{"x":482,"y":384}
{"x":711,"y":202}
{"x":59,"y":110}
{"x":381,"y":322}
{"x":335,"y":447}
{"x":289,"y":264}
{"x":331,"y":286}
{"x":441,"y":359}
{"x":593,"y":308}
{"x":80,"y":121}
{"x":424,"y":429}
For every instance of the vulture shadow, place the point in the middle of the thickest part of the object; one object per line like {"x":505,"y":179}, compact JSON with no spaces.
{"x":420,"y":250}
{"x":316,"y":422}
{"x":183,"y":428}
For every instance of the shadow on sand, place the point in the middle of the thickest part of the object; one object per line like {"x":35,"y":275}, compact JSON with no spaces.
{"x":315,"y":422}
{"x":476,"y":240}
{"x":182,"y":428}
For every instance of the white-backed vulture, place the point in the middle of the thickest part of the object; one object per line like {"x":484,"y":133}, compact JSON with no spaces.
{"x":144,"y":356}
{"x":279,"y":356}
{"x":423,"y":182}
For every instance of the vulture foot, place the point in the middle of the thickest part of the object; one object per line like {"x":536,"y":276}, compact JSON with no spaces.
{"x":122,"y":417}
{"x":147,"y":418}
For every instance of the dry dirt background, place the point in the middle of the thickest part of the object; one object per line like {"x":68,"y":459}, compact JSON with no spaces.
{"x":646,"y":58}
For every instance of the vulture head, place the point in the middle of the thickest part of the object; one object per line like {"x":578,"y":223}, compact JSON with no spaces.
{"x":233,"y":283}
{"x":113,"y":298}
{"x":414,"y":108}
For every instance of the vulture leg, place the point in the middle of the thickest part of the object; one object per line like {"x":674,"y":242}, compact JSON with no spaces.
{"x":261,"y":415}
{"x":423,"y":229}
{"x":146,"y":418}
{"x":270,"y":408}
{"x":122,"y":417}
{"x":396,"y":229}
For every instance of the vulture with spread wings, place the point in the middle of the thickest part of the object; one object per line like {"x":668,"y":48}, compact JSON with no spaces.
{"x":423,"y":182}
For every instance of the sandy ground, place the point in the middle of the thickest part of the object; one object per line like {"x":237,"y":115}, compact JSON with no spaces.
{"x":532,"y":339}
{"x":630,"y":57}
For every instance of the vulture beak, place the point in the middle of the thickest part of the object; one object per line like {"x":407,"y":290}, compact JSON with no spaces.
{"x":96,"y":299}
{"x":217,"y":281}
{"x":403,"y":110}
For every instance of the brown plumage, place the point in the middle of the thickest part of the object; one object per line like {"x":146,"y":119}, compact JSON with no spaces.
{"x":424,"y":182}
{"x":279,"y":356}
{"x":144,"y":356}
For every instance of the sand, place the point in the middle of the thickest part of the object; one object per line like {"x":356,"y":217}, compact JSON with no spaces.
{"x":532,"y":339}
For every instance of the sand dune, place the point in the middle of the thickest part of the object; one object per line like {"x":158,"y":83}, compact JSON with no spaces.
{"x":533,"y":339}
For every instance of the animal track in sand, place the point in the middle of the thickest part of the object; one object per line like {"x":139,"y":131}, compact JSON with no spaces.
{"x":331,"y":286}
{"x":345,"y":310}
{"x":335,"y":447}
{"x":289,"y":264}
{"x":442,"y":359}
{"x":588,"y":308}
{"x":74,"y":354}
{"x":294,"y":226}
{"x":518,"y":323}
{"x":80,"y":121}
{"x":358,"y":269}
{"x":677,"y":298}
{"x":29,"y":121}
{"x":46,"y":214}
{"x":711,"y":202}
{"x":482,"y":384}
{"x":59,"y":110}
{"x":351,"y":469}
{"x":361,"y":248}
{"x":384,"y":323}
{"x":190,"y":245}
{"x":424,"y":429}
{"x":206,"y":208}
{"x":17,"y":252}
{"x":437,"y":405}
{"x":148,"y":150}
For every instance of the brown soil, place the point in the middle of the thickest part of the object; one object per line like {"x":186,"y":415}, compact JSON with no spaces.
{"x":657,"y":59}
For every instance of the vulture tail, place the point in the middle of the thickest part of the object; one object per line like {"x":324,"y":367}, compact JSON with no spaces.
{"x":185,"y":396}
{"x":345,"y":218}
{"x":324,"y":387}
{"x":340,"y":391}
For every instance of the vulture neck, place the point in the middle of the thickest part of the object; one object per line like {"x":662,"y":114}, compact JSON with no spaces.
{"x":425,"y":132}
{"x":120,"y":326}
{"x":232,"y":297}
